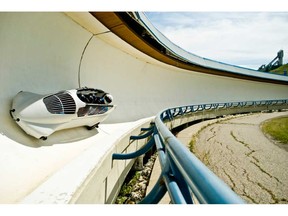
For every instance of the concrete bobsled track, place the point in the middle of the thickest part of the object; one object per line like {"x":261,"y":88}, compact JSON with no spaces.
{"x":51,"y":51}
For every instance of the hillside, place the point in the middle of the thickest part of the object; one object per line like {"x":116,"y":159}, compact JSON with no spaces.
{"x":281,"y":69}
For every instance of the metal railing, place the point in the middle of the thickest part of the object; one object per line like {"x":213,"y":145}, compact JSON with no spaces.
{"x":183,"y":175}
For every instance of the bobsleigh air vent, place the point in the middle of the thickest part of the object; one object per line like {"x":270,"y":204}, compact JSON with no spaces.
{"x":60,"y":103}
{"x":41,"y":115}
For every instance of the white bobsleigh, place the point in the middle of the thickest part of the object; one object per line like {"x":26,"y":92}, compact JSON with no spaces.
{"x":41,"y":115}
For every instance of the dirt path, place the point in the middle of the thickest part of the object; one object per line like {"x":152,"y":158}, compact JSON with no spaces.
{"x":240,"y":154}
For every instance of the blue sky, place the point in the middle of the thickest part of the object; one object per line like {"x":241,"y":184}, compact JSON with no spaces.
{"x":247,"y":39}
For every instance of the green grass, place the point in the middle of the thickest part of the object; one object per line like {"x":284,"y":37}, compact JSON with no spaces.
{"x":277,"y":128}
{"x":280,"y":70}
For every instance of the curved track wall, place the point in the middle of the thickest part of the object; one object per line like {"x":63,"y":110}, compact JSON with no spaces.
{"x":45,"y":52}
{"x":141,"y":89}
{"x":41,"y":52}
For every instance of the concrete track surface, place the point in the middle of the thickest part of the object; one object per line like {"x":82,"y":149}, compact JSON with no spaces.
{"x":236,"y":150}
{"x":45,"y":53}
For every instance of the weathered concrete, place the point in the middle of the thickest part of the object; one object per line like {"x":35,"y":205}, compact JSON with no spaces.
{"x":240,"y":154}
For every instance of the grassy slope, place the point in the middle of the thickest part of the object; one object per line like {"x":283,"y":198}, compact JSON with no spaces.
{"x":277,"y":128}
{"x":280,"y":70}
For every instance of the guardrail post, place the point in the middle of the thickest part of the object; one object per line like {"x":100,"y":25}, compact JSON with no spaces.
{"x":183,"y":175}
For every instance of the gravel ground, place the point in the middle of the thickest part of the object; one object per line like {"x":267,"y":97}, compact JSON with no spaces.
{"x":235,"y":148}
{"x":134,"y":188}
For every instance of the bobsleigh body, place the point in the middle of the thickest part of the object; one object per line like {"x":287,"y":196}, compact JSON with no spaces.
{"x":41,"y":115}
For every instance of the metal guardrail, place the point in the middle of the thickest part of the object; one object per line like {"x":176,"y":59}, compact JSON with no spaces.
{"x":183,"y":175}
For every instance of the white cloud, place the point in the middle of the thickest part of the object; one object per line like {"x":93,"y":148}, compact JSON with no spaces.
{"x":242,"y":38}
